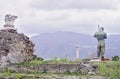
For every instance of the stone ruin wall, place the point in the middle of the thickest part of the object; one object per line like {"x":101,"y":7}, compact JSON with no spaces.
{"x":15,"y":47}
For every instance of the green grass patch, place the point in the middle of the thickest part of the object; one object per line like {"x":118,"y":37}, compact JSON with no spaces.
{"x":110,"y":69}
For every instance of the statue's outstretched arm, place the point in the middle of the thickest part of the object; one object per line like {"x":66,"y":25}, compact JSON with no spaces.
{"x":105,"y":36}
{"x":95,"y":35}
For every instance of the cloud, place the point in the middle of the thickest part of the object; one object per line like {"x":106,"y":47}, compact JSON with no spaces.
{"x":82,"y":16}
{"x":82,"y":21}
{"x":74,"y":4}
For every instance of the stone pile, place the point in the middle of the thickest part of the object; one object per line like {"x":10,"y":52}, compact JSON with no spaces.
{"x":83,"y":69}
{"x":14,"y":47}
{"x":68,"y":68}
{"x":55,"y":77}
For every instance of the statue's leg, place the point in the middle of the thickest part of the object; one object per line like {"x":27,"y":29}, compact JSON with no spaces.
{"x":102,"y":50}
{"x":98,"y":51}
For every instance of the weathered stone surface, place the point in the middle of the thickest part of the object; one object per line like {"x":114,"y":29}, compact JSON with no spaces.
{"x":15,"y":47}
{"x":57,"y":68}
{"x":88,"y":71}
{"x":55,"y":77}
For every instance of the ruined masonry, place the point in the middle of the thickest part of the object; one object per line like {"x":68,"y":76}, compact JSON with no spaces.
{"x":14,"y":47}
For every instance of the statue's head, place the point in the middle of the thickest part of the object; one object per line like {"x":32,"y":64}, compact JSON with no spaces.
{"x":101,"y":29}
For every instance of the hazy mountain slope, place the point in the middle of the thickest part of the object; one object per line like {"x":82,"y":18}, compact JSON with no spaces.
{"x":63,"y":44}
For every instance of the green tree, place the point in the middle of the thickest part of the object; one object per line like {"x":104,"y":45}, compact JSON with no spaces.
{"x":34,"y":56}
{"x":115,"y":58}
{"x":37,"y":58}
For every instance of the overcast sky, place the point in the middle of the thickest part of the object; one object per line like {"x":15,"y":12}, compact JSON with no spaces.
{"x":81,"y":16}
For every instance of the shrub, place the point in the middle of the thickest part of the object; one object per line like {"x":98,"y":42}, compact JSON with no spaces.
{"x":115,"y":58}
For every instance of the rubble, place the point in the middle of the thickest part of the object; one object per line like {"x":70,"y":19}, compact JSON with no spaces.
{"x":15,"y":47}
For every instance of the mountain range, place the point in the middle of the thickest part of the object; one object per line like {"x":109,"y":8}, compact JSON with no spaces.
{"x":63,"y":45}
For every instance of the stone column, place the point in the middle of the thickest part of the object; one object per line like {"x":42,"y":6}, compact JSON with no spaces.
{"x":77,"y":52}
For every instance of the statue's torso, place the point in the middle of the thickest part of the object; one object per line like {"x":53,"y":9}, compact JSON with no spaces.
{"x":100,"y":36}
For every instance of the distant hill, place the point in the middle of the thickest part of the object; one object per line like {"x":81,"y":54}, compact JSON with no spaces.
{"x":63,"y":45}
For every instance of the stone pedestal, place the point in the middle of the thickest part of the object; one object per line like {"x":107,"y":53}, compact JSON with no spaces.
{"x":105,"y":59}
{"x":96,"y":59}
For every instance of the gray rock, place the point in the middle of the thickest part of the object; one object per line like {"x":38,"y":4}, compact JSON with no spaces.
{"x":91,"y":73}
{"x":15,"y":47}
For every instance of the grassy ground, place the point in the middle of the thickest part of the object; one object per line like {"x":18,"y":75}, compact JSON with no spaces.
{"x":53,"y":61}
{"x":110,"y":69}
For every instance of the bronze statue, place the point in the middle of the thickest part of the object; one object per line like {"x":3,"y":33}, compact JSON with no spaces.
{"x":100,"y":35}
